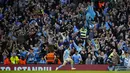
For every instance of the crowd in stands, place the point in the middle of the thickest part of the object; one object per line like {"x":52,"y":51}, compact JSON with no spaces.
{"x":38,"y":31}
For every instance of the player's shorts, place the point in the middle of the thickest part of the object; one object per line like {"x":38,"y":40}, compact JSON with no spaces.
{"x":68,"y":60}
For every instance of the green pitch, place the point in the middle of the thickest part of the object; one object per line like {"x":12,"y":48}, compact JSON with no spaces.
{"x":64,"y":71}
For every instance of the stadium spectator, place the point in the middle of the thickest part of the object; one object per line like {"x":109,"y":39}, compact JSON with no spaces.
{"x":14,"y":59}
{"x":23,"y":52}
{"x":89,"y":59}
{"x":43,"y":52}
{"x":77,"y":58}
{"x":57,"y":60}
{"x":50,"y":58}
{"x":31,"y":57}
{"x":78,"y":47}
{"x":22,"y":61}
{"x":114,"y":57}
{"x":7,"y":61}
{"x":101,"y":58}
{"x":127,"y":60}
{"x":84,"y":56}
{"x":36,"y":52}
{"x":83,"y":32}
{"x":42,"y":61}
{"x":5,"y":54}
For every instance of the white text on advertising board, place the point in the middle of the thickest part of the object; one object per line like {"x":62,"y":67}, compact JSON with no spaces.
{"x":26,"y":68}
